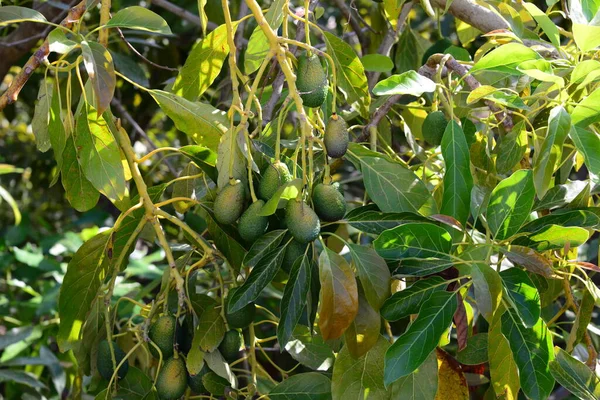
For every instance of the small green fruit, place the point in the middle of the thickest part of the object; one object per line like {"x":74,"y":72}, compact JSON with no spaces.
{"x":302,"y":222}
{"x":162,"y":333}
{"x":195,"y":381}
{"x":336,"y":137}
{"x":104,"y":361}
{"x":329,"y":203}
{"x":311,"y":81}
{"x":229,"y":203}
{"x":433,"y":127}
{"x":251,"y":225}
{"x":293,"y":251}
{"x":172,"y":379}
{"x":241,"y":318}
{"x":273,"y":178}
{"x":230,"y":345}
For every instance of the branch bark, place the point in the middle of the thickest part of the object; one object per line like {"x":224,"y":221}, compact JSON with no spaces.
{"x":473,"y":14}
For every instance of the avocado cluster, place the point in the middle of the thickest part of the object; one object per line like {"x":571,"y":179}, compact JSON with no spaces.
{"x":311,"y":80}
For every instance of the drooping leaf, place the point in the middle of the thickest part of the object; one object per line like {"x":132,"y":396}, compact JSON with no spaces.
{"x":139,"y":18}
{"x":575,"y":376}
{"x":370,"y":220}
{"x":215,"y":384}
{"x":78,"y":189}
{"x":422,"y":267}
{"x":229,"y":148}
{"x":587,"y":112}
{"x":561,"y":195}
{"x":14,"y":14}
{"x":373,"y":273}
{"x":458,"y":181}
{"x":226,"y":241}
{"x":294,"y":299}
{"x":186,"y":188}
{"x":211,"y":329}
{"x":544,"y":22}
{"x":99,"y":66}
{"x":407,"y":83}
{"x":422,"y":384}
{"x":588,"y":144}
{"x":413,"y":347}
{"x":530,"y":259}
{"x":476,"y":351}
{"x":56,"y":128}
{"x":19,"y":376}
{"x":41,"y":116}
{"x":310,"y":349}
{"x":305,"y":386}
{"x":522,"y":294}
{"x":409,"y":301}
{"x":135,"y":386}
{"x":582,"y":320}
{"x":418,"y":240}
{"x":264,"y":244}
{"x":363,"y":332}
{"x":351,"y":78}
{"x":503,"y":369}
{"x":339,"y":294}
{"x":510,"y":204}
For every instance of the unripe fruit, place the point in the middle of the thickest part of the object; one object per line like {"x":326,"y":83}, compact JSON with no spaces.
{"x":293,"y":251}
{"x":302,"y":222}
{"x":273,"y":178}
{"x":336,"y":137}
{"x":162,"y":333}
{"x":311,"y":81}
{"x":433,"y":127}
{"x":229,"y":203}
{"x":241,"y":318}
{"x":195,"y":381}
{"x":172,"y":379}
{"x":230,"y":345}
{"x":251,"y":225}
{"x":329,"y":203}
{"x":104,"y":361}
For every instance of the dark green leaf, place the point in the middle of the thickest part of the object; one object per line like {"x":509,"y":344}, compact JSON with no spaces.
{"x":476,"y":351}
{"x":306,"y":386}
{"x":56,"y":128}
{"x":561,"y":195}
{"x":41,"y":116}
{"x":20,"y":377}
{"x":522,"y":294}
{"x":294,"y":299}
{"x":422,"y":267}
{"x":575,"y":376}
{"x":310,"y":349}
{"x":370,"y":220}
{"x":225,"y":239}
{"x":565,"y":218}
{"x":211,"y":329}
{"x":409,"y":301}
{"x":264,"y":244}
{"x":414,"y":240}
{"x":511,"y":149}
{"x":215,"y":384}
{"x":373,"y":273}
{"x":419,"y":385}
{"x":78,"y":189}
{"x":14,"y":14}
{"x":588,"y":144}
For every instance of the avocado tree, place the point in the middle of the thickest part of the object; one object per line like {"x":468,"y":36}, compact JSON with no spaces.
{"x":376,"y":200}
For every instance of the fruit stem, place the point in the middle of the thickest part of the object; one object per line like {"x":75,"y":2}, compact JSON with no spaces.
{"x":252,"y":338}
{"x":115,"y":372}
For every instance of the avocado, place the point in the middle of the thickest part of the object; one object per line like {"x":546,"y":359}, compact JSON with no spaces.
{"x":336,"y":136}
{"x":311,"y":80}
{"x":329,"y":203}
{"x":273,"y":178}
{"x":104,"y":361}
{"x":229,"y":203}
{"x":251,"y":225}
{"x":302,"y":222}
{"x":293,"y":251}
{"x":172,"y":379}
{"x":241,"y":318}
{"x":433,"y":127}
{"x":162,"y":333}
{"x":230,"y":345}
{"x":195,"y":381}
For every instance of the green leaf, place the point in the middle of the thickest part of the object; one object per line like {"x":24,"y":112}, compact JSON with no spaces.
{"x":99,"y":154}
{"x":511,"y":149}
{"x":219,"y":366}
{"x":99,"y":66}
{"x":339,"y":294}
{"x":18,"y":376}
{"x":263,"y":245}
{"x":309,"y":349}
{"x":575,"y":376}
{"x":409,"y":301}
{"x":561,"y":195}
{"x":226,"y":240}
{"x":351,"y":78}
{"x":505,"y":59}
{"x":279,"y":199}
{"x":564,"y":218}
{"x":78,"y":189}
{"x":530,"y":259}
{"x":363,"y":332}
{"x":14,"y":14}
{"x":548,"y":158}
{"x":476,"y":351}
{"x":585,"y":72}
{"x":545,"y":23}
{"x":582,"y":320}
{"x":186,"y":188}
{"x":204,"y":158}
{"x":422,"y":384}
{"x":369,"y":219}
{"x":135,"y":386}
{"x":588,"y":144}
{"x":422,"y":267}
{"x":211,"y":329}
{"x":418,"y":240}
{"x":554,"y":237}
{"x":139,"y":18}
{"x":258,"y":44}
{"x":413,"y":347}
{"x":360,"y":378}
{"x":224,"y":156}
{"x":532,"y":351}
{"x":260,"y":276}
{"x":406,"y":83}
{"x":587,"y":37}
{"x":56,"y":128}
{"x":58,"y":42}
{"x":294,"y":299}
{"x":503,"y":369}
{"x":377,"y":63}
{"x":202,"y":122}
{"x":203,"y":65}
{"x":587,"y":112}
{"x":305,"y":386}
{"x":408,"y":54}
{"x":497,"y":96}
{"x":215,"y":384}
{"x":373,"y":273}
{"x":393,"y":187}
{"x":510,"y":204}
{"x":522,"y":295}
{"x":458,"y":181}
{"x":85,"y":274}
{"x":41,"y":116}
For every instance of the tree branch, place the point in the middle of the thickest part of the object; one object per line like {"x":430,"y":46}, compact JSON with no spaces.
{"x":11,"y":94}
{"x":350,"y":16}
{"x":473,"y":14}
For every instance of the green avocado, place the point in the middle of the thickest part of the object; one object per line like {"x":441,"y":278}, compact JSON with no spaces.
{"x":172,"y":379}
{"x":336,"y":136}
{"x":273,"y":178}
{"x":251,"y":225}
{"x":311,"y":80}
{"x":229,"y":203}
{"x":104,"y":360}
{"x":433,"y":127}
{"x":241,"y":318}
{"x":195,"y":381}
{"x":329,"y":203}
{"x":162,"y":333}
{"x":302,"y":222}
{"x":230,"y":345}
{"x":293,"y":251}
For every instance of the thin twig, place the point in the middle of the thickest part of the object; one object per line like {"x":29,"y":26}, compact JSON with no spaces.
{"x":140,"y":55}
{"x":350,"y":15}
